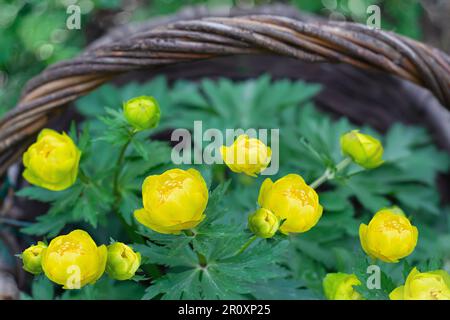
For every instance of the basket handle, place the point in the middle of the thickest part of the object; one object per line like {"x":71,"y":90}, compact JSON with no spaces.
{"x":190,"y":40}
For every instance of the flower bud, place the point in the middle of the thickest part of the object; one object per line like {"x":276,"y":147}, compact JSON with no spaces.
{"x":432,"y":285}
{"x":52,"y":161}
{"x":363,"y":149}
{"x":340,"y":286}
{"x":263,"y":223}
{"x":122,"y":261}
{"x":74,"y":260}
{"x":32,"y":257}
{"x":292,"y":200}
{"x":389,"y":235}
{"x":246,"y":155}
{"x":142,"y":112}
{"x":173,"y":201}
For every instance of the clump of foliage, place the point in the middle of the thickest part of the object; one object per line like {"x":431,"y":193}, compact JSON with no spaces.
{"x":204,"y":264}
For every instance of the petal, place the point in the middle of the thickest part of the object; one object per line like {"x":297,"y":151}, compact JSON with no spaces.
{"x":397,"y":293}
{"x":265,"y":188}
{"x":102,"y":256}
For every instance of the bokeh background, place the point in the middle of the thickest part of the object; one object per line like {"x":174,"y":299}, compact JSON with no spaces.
{"x":33,"y":33}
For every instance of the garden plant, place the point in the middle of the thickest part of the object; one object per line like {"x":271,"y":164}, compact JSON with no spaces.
{"x":246,"y":153}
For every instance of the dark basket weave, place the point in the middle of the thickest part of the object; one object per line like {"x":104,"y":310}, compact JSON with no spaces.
{"x":354,"y":58}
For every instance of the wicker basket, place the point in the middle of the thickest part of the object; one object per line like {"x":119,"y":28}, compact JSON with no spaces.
{"x":365,"y":65}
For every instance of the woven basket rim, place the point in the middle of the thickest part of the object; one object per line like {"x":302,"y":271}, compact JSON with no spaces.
{"x":200,"y":36}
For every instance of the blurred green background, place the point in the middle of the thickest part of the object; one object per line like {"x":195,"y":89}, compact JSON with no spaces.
{"x":33,"y":33}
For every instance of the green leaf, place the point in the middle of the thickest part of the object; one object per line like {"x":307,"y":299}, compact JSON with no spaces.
{"x":42,"y":288}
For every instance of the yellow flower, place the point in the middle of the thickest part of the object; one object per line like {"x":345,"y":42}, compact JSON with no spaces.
{"x":122,"y":261}
{"x":52,"y":161}
{"x":74,"y":260}
{"x":389,"y":235}
{"x":432,"y":285}
{"x":142,"y":112}
{"x":246,"y":155}
{"x":292,"y":200}
{"x":263,"y":223}
{"x":173,"y":201}
{"x":339,"y":286}
{"x":32,"y":257}
{"x":364,"y":150}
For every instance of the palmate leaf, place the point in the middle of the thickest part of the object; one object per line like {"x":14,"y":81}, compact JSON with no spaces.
{"x":361,"y":271}
{"x":228,"y":278}
{"x":81,"y":202}
{"x":225,"y":104}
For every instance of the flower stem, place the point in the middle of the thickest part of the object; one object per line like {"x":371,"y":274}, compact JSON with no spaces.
{"x":119,"y":168}
{"x":129,"y":230}
{"x":246,"y":245}
{"x":330,"y":174}
{"x":14,"y":222}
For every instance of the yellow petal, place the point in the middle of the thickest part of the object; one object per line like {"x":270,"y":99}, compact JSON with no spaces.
{"x":397,"y":293}
{"x":265,"y":187}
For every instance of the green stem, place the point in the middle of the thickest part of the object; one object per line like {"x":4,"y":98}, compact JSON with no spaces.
{"x":189,"y":233}
{"x":120,"y":160}
{"x":330,"y":174}
{"x":83,"y":177}
{"x":119,"y":168}
{"x":245,"y":246}
{"x":15,"y":223}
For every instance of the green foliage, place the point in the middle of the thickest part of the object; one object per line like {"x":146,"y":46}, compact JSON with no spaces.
{"x":205,"y":264}
{"x":402,"y":17}
{"x":30,"y":42}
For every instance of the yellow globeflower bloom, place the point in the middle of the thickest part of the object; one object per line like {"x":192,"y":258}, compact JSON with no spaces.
{"x":364,"y":150}
{"x":340,"y":286}
{"x":263,"y":223}
{"x":173,"y":201}
{"x":122,"y":261}
{"x":52,"y":161}
{"x":142,"y":112}
{"x":74,"y":260}
{"x":292,"y":200}
{"x":389,"y":235}
{"x":432,"y":285}
{"x":32,"y":257}
{"x":246,"y":155}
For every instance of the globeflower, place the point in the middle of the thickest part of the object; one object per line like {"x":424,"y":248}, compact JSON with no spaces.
{"x":292,"y":201}
{"x":52,"y":161}
{"x":142,"y":112}
{"x":32,"y":256}
{"x":122,"y":261}
{"x":363,"y":149}
{"x":389,"y":235}
{"x":246,"y":155}
{"x":173,"y":201}
{"x":340,"y":286}
{"x":431,"y":285}
{"x":74,"y":260}
{"x":263,"y":223}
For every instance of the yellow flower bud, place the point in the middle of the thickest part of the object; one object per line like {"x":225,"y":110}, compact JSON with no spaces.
{"x":292,"y":200}
{"x":142,"y":112}
{"x":389,"y":235}
{"x":246,"y":155}
{"x":122,"y":261}
{"x":263,"y":223}
{"x":340,"y":286}
{"x":173,"y":201}
{"x":74,"y":260}
{"x":52,"y":161}
{"x":432,"y":285}
{"x":32,"y":257}
{"x":364,"y":150}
